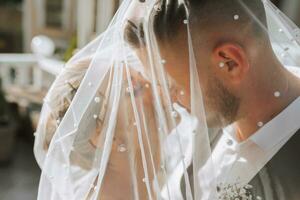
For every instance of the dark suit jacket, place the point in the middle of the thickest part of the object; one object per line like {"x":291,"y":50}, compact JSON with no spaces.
{"x":280,"y":177}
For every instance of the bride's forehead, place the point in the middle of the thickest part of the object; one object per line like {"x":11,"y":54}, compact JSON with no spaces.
{"x":137,"y":11}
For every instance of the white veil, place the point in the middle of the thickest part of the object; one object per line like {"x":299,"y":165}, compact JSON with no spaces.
{"x":117,"y":125}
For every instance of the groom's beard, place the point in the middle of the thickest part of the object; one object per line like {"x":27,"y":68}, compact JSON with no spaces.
{"x":221,"y":105}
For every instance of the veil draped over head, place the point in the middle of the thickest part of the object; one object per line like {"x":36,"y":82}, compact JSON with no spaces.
{"x":127,"y":116}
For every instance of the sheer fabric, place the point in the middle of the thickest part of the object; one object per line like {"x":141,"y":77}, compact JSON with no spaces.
{"x":123,"y":122}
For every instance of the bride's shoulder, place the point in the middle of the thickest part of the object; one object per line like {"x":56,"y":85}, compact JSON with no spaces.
{"x":141,"y":86}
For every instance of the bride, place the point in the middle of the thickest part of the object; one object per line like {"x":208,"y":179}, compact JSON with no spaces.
{"x":126,"y":118}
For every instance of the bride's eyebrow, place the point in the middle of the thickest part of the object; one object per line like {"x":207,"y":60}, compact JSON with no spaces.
{"x":134,"y":35}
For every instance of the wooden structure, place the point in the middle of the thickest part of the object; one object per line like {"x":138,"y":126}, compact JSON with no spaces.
{"x":84,"y":18}
{"x":37,"y":20}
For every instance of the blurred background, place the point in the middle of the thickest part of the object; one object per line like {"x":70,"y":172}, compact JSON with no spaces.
{"x":37,"y":37}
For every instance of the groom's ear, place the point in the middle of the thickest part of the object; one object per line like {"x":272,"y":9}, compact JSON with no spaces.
{"x":230,"y":62}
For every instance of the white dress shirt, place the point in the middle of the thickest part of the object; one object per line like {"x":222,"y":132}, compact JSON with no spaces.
{"x":239,"y":162}
{"x":234,"y":162}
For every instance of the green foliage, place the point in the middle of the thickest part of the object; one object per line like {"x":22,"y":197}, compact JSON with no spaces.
{"x":72,"y":46}
{"x":2,"y":2}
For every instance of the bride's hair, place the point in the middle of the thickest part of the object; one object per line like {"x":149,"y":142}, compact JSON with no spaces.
{"x":168,"y":18}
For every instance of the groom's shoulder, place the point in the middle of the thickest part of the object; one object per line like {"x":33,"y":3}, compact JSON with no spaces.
{"x":282,"y":171}
{"x":288,"y":154}
{"x":293,"y":143}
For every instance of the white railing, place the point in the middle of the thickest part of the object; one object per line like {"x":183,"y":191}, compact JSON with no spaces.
{"x":93,"y":21}
{"x":15,"y":69}
{"x":27,"y":76}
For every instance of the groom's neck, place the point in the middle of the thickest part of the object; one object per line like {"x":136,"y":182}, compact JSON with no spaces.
{"x":269,"y":97}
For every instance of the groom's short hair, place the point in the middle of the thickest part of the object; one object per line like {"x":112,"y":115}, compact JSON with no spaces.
{"x":168,"y":20}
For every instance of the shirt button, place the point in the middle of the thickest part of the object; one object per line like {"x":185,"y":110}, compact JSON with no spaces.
{"x":229,"y":142}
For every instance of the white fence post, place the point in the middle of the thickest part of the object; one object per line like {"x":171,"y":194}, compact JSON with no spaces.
{"x":5,"y":75}
{"x":68,"y":16}
{"x":105,"y":12}
{"x":22,"y":74}
{"x":40,"y":12}
{"x":27,"y":23}
{"x":37,"y":78}
{"x":85,"y":21}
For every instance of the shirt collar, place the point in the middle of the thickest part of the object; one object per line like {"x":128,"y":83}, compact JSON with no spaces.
{"x":284,"y":125}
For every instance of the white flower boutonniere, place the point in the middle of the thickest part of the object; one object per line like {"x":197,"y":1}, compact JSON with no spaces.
{"x":236,"y":192}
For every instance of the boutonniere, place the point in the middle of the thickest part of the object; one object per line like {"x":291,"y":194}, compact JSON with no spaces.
{"x":236,"y":192}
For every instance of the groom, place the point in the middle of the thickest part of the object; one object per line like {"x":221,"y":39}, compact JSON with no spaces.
{"x":246,"y":90}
